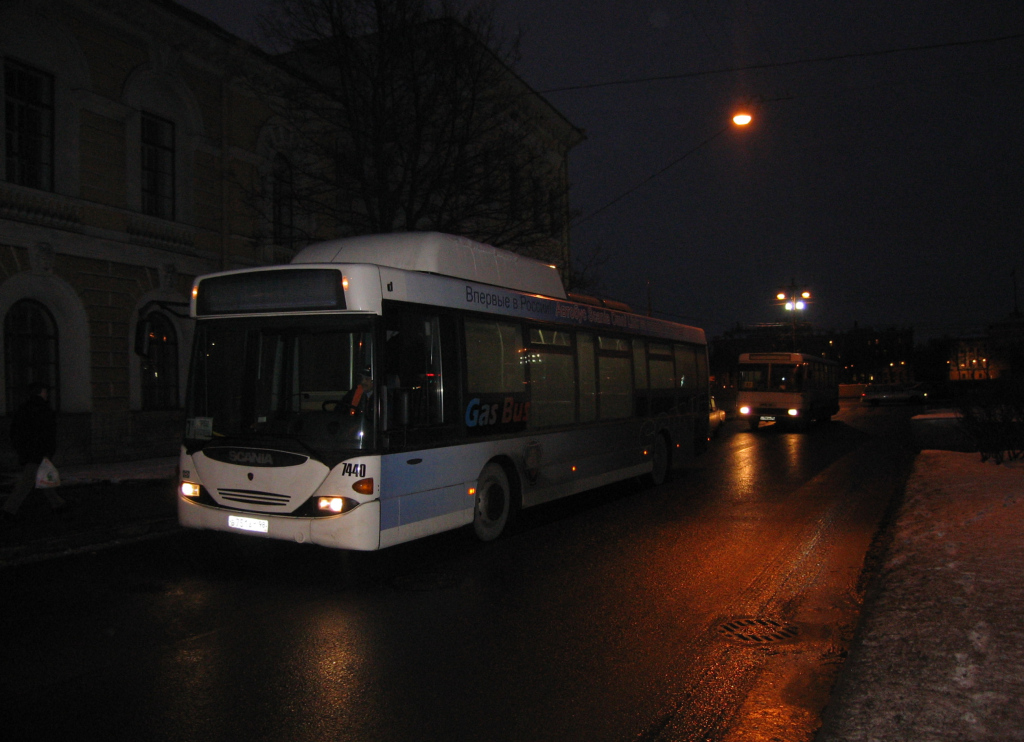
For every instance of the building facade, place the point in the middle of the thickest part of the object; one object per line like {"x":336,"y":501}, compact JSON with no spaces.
{"x":125,"y":132}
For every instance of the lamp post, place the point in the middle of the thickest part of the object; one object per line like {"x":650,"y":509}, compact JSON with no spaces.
{"x":794,"y":299}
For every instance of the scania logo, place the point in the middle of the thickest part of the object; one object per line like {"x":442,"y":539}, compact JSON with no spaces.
{"x":253,"y":456}
{"x":259,"y":458}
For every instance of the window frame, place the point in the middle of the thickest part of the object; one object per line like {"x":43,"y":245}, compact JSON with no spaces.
{"x":167,"y":393}
{"x":154,"y":202}
{"x":47,"y":114}
{"x":47,"y":372}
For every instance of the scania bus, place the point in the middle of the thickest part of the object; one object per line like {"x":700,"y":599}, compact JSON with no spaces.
{"x":382,"y":388}
{"x":791,"y":388}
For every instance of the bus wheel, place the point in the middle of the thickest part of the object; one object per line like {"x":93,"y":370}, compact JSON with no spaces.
{"x":660,"y":459}
{"x":493,"y":506}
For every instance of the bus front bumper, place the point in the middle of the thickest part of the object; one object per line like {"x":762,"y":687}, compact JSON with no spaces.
{"x":358,"y":529}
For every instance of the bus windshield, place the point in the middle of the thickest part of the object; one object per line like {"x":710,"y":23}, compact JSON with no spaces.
{"x":302,"y":383}
{"x":774,"y":377}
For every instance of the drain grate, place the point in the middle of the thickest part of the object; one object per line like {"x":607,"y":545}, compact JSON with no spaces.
{"x":758,"y":630}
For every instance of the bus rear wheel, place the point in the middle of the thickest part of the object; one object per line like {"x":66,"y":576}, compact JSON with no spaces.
{"x":493,"y":507}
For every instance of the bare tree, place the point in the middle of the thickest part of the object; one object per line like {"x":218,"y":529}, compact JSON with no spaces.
{"x":407,"y":115}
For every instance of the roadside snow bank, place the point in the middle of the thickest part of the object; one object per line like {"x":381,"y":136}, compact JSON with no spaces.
{"x":940,"y":652}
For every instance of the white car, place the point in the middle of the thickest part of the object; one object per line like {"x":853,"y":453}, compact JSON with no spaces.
{"x":876,"y":394}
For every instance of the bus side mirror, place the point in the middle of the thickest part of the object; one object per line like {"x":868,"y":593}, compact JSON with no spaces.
{"x":143,"y":330}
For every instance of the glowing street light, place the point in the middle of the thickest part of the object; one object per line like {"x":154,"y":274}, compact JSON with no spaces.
{"x":794,"y":300}
{"x":742,"y":119}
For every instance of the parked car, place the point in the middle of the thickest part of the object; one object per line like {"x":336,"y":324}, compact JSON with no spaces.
{"x":875,"y":394}
{"x":716,"y":416}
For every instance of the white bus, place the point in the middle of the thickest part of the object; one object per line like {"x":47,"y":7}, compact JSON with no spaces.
{"x":793,"y":388}
{"x":383,"y":388}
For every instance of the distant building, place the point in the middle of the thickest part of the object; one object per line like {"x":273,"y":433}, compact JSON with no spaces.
{"x":124,"y":130}
{"x":865,"y":355}
{"x":998,"y":353}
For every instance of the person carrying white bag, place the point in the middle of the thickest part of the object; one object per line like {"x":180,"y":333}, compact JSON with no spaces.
{"x":34,"y":437}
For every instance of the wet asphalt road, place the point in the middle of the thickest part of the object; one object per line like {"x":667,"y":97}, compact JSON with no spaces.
{"x":717,"y":606}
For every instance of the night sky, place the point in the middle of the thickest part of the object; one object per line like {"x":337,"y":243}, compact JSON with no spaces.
{"x":883,"y":176}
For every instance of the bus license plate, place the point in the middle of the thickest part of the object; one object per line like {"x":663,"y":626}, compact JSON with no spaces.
{"x":768,"y":418}
{"x":249,"y":524}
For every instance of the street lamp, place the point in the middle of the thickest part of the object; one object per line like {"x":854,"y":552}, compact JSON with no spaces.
{"x":794,"y":299}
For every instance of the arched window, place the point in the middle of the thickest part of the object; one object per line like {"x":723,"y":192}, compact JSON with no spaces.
{"x":30,"y":352}
{"x":159,"y":367}
{"x":283,"y":201}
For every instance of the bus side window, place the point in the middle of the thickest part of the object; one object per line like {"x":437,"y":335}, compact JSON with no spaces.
{"x":640,"y":378}
{"x":614,"y":378}
{"x":662,"y":378}
{"x":689,"y":379}
{"x":585,"y":365}
{"x":419,"y":371}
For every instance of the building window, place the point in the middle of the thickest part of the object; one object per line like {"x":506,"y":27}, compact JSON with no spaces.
{"x":159,"y":365}
{"x":157,"y":167}
{"x":28,"y":97}
{"x":30,"y":352}
{"x":283,"y":202}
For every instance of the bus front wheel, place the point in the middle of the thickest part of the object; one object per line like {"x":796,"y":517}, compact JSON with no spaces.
{"x":493,"y":507}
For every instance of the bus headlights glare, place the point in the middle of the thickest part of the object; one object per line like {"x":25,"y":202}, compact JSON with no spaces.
{"x":744,"y":410}
{"x":335,"y":504}
{"x":794,"y":413}
{"x":189,"y":489}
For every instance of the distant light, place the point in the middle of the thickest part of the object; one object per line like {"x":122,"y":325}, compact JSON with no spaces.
{"x":780,"y":296}
{"x":800,"y":305}
{"x":793,"y":413}
{"x":744,"y":410}
{"x":789,"y":306}
{"x":742,"y":119}
{"x":806,"y":294}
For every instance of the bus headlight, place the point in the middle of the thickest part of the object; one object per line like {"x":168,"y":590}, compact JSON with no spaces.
{"x":744,"y":410}
{"x":189,"y":489}
{"x":336,"y":504}
{"x":794,"y":413}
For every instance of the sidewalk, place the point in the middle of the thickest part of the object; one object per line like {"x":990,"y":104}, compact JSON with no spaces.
{"x":940,"y":646}
{"x":108,"y":504}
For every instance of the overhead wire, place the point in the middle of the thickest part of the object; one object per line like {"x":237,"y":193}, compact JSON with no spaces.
{"x":777,"y":65}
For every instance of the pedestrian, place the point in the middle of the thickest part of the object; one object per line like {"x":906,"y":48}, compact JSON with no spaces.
{"x":34,"y":436}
